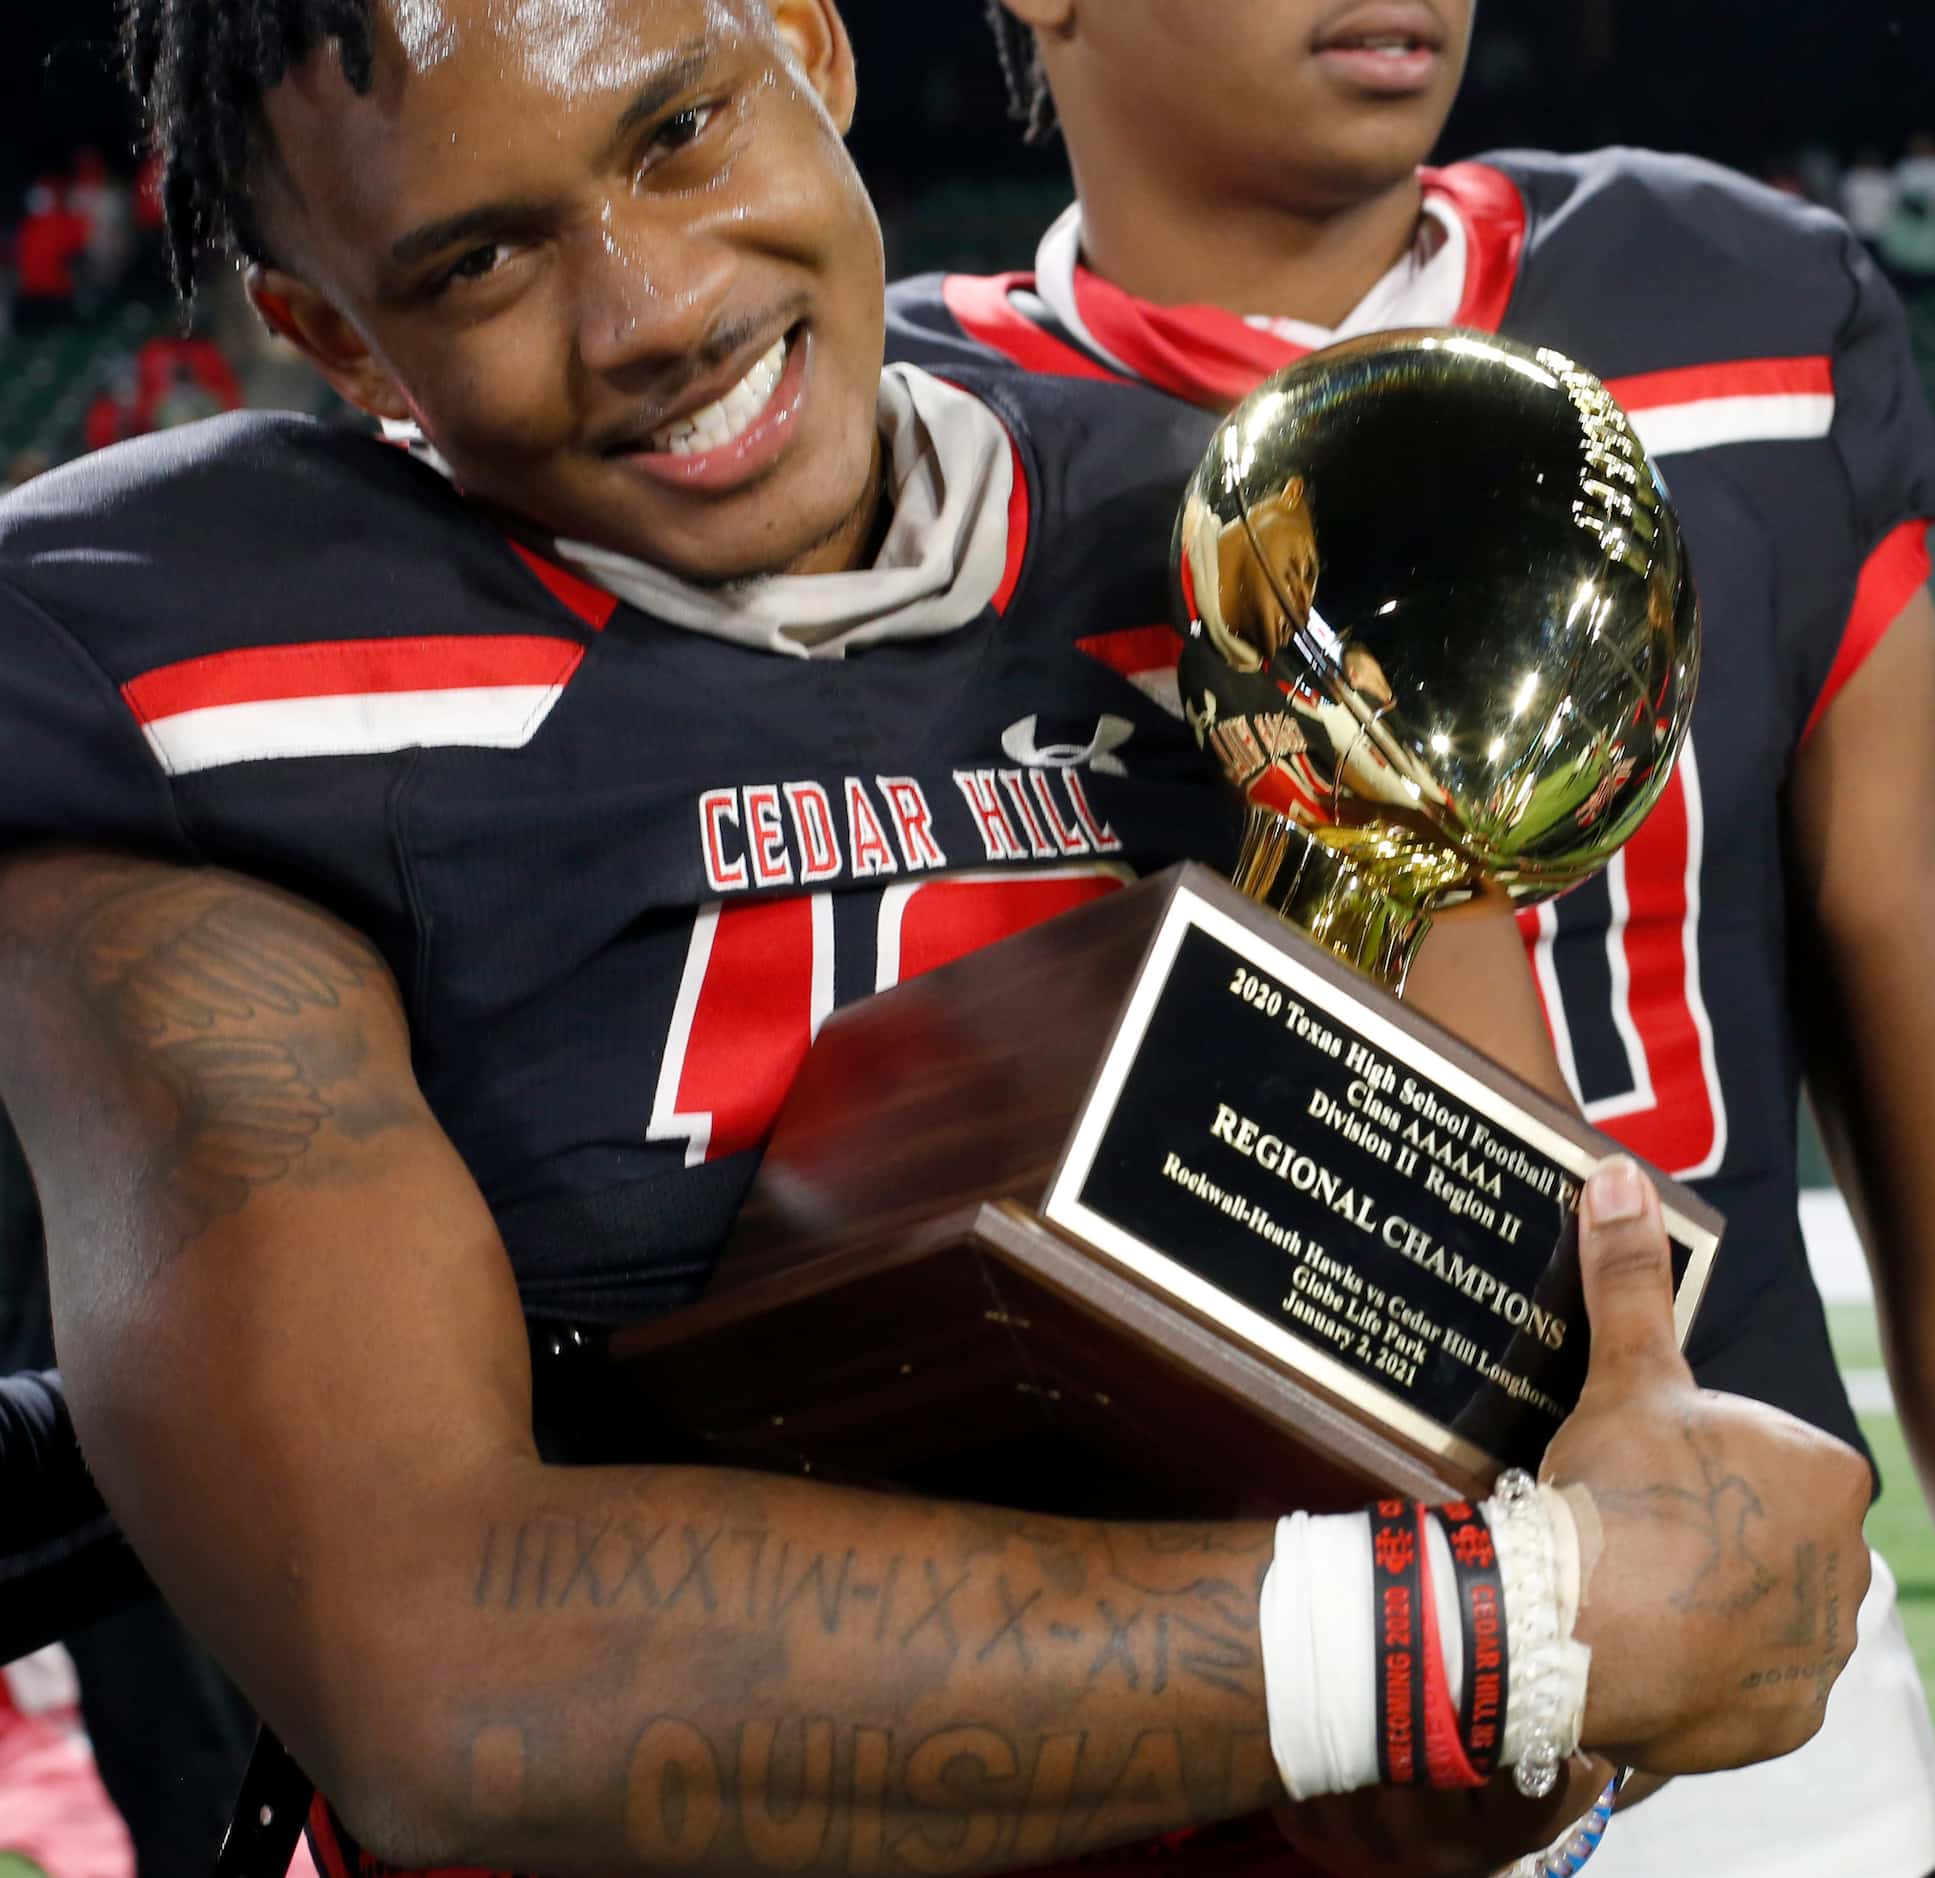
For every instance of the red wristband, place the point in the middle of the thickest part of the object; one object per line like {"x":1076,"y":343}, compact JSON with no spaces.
{"x":1397,"y":1619}
{"x":1445,"y":1761}
{"x":1481,"y":1610}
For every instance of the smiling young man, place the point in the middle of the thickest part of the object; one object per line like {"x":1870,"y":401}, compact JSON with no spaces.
{"x":424,"y":870}
{"x":1249,"y":188}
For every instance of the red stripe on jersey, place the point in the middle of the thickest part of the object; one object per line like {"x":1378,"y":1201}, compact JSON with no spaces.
{"x":982,"y":309}
{"x":1738,"y":378}
{"x":323,"y":1840}
{"x":349,"y":668}
{"x":591,"y":604}
{"x":1895,"y":573}
{"x":1677,"y":1134}
{"x":1137,"y":650}
{"x":1488,"y":202}
{"x":1017,"y":533}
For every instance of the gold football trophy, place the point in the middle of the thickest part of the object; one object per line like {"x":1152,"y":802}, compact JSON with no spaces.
{"x":1441,"y":632}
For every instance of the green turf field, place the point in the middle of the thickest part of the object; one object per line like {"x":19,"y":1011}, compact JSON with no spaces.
{"x":1899,"y":1528}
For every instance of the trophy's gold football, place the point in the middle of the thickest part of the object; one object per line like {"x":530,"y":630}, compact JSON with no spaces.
{"x":1441,"y":631}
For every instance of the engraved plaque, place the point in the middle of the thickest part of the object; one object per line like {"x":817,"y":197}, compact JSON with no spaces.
{"x":1296,"y":1159}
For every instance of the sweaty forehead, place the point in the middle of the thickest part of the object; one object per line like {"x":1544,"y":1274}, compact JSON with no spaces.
{"x":567,"y":47}
{"x":470,"y":94}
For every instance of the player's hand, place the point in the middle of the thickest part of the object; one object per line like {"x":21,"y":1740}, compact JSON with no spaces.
{"x":1414,"y":1832}
{"x":1722,"y":1606}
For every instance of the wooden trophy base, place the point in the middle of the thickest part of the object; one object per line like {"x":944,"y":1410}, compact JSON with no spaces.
{"x":894,"y":1308}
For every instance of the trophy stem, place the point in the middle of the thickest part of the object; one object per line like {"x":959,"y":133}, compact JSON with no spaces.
{"x":1323,"y":892}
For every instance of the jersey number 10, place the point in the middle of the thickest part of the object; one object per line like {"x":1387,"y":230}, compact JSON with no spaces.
{"x":759,"y":982}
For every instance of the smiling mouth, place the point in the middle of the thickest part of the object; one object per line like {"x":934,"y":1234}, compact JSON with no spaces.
{"x":726,"y":419}
{"x":1391,"y":45}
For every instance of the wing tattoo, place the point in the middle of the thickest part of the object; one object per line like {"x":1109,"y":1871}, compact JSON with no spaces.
{"x":208,"y":981}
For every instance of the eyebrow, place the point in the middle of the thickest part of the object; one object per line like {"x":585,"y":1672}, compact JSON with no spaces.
{"x":672,"y":72}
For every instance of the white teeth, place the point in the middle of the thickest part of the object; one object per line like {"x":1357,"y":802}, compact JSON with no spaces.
{"x":730,"y":417}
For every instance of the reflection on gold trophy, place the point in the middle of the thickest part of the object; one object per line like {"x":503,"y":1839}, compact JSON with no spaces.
{"x":1441,"y":631}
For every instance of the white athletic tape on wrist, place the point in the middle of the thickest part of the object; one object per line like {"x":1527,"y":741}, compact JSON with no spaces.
{"x":1319,"y":1677}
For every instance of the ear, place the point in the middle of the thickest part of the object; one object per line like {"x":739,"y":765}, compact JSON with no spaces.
{"x":1053,"y":17}
{"x":311,"y":323}
{"x":814,"y":33}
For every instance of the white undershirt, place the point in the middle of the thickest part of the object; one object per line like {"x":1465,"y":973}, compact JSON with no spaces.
{"x":952,"y":471}
{"x":1425,"y":288}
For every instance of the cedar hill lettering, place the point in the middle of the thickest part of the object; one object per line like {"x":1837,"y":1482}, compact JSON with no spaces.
{"x":805,"y":834}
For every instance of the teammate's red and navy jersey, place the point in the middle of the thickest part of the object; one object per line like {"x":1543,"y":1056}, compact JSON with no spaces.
{"x":621,"y":870}
{"x":1766,"y":365}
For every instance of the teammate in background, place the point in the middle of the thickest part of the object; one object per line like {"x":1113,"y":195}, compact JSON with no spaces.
{"x":475,"y":835}
{"x":1249,"y":189}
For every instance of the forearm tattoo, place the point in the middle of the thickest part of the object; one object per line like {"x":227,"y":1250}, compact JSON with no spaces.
{"x":1025,"y":1697}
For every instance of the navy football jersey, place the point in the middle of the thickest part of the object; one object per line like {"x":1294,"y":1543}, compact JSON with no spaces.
{"x":1766,"y":365}
{"x":621,"y":870}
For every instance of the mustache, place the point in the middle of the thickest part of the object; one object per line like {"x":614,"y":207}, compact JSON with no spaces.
{"x":667,"y":385}
{"x":714,"y":352}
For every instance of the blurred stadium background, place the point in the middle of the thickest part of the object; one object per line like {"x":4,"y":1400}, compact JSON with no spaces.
{"x":1830,"y":99}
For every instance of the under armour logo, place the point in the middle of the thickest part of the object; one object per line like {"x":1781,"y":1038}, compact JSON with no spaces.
{"x":1204,"y":721}
{"x":1111,"y":733}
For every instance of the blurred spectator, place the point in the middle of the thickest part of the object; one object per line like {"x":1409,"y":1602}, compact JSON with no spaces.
{"x":51,"y":241}
{"x":1868,"y":195}
{"x":1819,"y":167}
{"x":101,"y":201}
{"x":1915,"y":174}
{"x":114,"y":415}
{"x":178,"y":380}
{"x":171,"y":380}
{"x":53,"y":1810}
{"x":1907,"y":241}
{"x":169,"y":1734}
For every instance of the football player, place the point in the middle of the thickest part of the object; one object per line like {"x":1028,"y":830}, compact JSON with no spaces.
{"x":426,"y":864}
{"x":1251,"y":186}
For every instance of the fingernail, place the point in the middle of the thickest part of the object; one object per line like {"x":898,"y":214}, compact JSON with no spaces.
{"x":1616,"y":1192}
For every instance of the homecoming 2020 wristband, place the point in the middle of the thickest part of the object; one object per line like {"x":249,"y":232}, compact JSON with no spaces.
{"x":1397,"y":1620}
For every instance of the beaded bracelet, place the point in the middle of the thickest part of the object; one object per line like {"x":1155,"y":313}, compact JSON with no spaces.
{"x":1568,"y":1857}
{"x":1548,"y":1667}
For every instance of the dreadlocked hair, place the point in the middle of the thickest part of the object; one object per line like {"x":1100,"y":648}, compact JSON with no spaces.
{"x":1030,"y":103}
{"x":198,"y":70}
